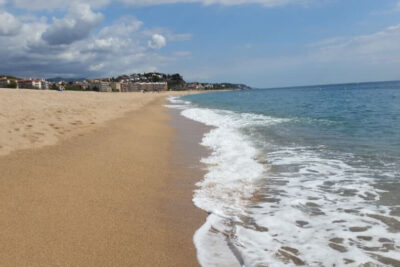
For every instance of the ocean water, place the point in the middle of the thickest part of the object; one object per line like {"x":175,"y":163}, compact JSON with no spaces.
{"x":300,"y":176}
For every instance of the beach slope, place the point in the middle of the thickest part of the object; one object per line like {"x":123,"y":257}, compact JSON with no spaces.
{"x":102,"y":197}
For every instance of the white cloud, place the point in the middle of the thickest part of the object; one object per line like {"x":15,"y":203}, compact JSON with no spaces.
{"x":55,"y":4}
{"x":168,"y":35}
{"x":381,"y":46}
{"x":75,"y":26}
{"x":123,"y":27}
{"x":266,"y":3}
{"x":9,"y":25}
{"x":69,"y":47}
{"x":370,"y":57}
{"x":157,"y":41}
{"x":62,"y":4}
{"x":96,"y":67}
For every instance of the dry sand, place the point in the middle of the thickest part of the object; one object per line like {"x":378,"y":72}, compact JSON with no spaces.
{"x":32,"y":118}
{"x":105,"y":196}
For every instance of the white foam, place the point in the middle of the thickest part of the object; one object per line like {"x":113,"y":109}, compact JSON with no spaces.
{"x":212,"y":245}
{"x":228,"y":186}
{"x":311,"y":186}
{"x":329,"y":203}
{"x":177,"y":103}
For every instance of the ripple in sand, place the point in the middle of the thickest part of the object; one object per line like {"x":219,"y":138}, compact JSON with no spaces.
{"x":287,"y":257}
{"x":338,"y":247}
{"x":301,"y":223}
{"x":337,"y":240}
{"x":365,"y":238}
{"x":359,"y":228}
{"x":394,"y":225}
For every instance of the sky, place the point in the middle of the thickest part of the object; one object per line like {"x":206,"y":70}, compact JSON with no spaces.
{"x":262,"y":43}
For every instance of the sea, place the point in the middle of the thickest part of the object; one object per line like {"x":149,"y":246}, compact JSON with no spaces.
{"x":299,"y":176}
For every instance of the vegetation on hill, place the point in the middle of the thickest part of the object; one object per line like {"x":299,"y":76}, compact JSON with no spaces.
{"x":12,"y":84}
{"x":10,"y":77}
{"x":175,"y":81}
{"x":217,"y":86}
{"x":60,"y":79}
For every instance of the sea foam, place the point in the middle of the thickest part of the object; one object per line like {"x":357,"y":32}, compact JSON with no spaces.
{"x":229,"y":185}
{"x":282,"y":205}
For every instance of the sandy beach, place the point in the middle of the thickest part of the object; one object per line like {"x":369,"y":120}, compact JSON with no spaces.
{"x":88,"y":179}
{"x":33,"y":119}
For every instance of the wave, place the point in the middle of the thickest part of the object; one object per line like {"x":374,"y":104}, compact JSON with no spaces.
{"x":274,"y":205}
{"x":228,"y":187}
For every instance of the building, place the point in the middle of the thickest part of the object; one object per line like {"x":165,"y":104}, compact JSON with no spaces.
{"x":33,"y":84}
{"x":125,"y":86}
{"x":209,"y":86}
{"x":5,"y":82}
{"x":83,"y":85}
{"x":152,"y":87}
{"x":133,"y":87}
{"x":115,"y":86}
{"x":44,"y":84}
{"x":195,"y":86}
{"x":98,"y":85}
{"x":145,"y":87}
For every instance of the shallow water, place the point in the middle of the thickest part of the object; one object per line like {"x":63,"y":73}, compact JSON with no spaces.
{"x":300,"y":176}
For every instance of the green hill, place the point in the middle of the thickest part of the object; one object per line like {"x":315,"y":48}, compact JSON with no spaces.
{"x":10,"y":77}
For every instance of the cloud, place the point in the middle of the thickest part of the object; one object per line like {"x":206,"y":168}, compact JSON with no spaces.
{"x":369,"y":57}
{"x":62,"y":4}
{"x":122,"y":27}
{"x":55,"y":4}
{"x":157,"y":42}
{"x":266,"y":3}
{"x":69,"y":47}
{"x":9,"y":24}
{"x":381,"y":46}
{"x":76,"y":25}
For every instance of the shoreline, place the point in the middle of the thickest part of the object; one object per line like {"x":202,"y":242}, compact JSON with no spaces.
{"x":108,"y":196}
{"x":186,"y":159}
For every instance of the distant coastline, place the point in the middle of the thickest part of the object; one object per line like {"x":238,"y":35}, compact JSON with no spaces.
{"x":329,"y":85}
{"x":136,"y":82}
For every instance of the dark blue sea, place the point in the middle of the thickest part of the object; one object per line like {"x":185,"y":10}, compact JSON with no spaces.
{"x":300,"y":176}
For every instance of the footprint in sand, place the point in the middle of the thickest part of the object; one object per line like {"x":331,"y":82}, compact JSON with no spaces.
{"x":76,"y":123}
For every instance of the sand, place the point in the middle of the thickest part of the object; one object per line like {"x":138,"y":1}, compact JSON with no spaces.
{"x":103,"y":194}
{"x":33,"y":119}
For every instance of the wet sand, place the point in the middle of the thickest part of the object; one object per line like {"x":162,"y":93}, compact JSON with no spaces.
{"x":188,"y":170}
{"x":114,"y":195}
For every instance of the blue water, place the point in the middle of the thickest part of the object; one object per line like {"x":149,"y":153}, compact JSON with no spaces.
{"x":302,"y":175}
{"x":364,"y":117}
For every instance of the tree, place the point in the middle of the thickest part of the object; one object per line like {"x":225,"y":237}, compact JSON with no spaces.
{"x":12,"y":84}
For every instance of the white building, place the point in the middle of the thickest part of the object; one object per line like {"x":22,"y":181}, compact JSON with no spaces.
{"x":101,"y":86}
{"x":33,"y":84}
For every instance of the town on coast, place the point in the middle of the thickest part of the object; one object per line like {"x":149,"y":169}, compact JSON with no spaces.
{"x":137,"y":82}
